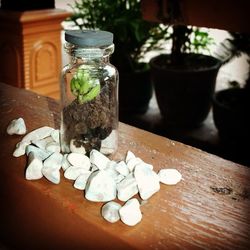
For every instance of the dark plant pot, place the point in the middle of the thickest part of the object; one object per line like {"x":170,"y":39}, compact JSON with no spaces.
{"x":135,"y":92}
{"x":184,"y":94}
{"x":231,"y":114}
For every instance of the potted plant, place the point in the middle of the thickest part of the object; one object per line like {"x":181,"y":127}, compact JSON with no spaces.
{"x":184,"y":79}
{"x":131,"y":39}
{"x":231,"y":106}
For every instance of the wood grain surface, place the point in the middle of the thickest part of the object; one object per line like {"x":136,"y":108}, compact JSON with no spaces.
{"x":208,"y":209}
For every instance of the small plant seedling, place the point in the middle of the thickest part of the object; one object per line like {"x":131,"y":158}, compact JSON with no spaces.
{"x":84,"y":86}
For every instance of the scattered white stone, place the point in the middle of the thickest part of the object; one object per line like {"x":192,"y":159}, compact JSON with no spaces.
{"x":101,"y":187}
{"x":65,"y":162}
{"x":17,"y":127}
{"x":37,"y":134}
{"x":81,"y":180}
{"x":108,"y":145}
{"x":130,"y":213}
{"x":20,"y":148}
{"x":133,"y":162}
{"x":111,"y":169}
{"x":43,"y":154}
{"x":51,"y":174}
{"x":54,"y":160}
{"x":127,"y":188}
{"x":169,"y":176}
{"x":130,"y":155}
{"x":98,"y":159}
{"x":51,"y":168}
{"x":34,"y":168}
{"x":147,"y":181}
{"x":122,"y":168}
{"x":150,"y":166}
{"x":73,"y":172}
{"x":74,"y":149}
{"x":53,"y":147}
{"x":106,"y":179}
{"x":55,"y":134}
{"x":119,"y":178}
{"x":94,"y":168}
{"x":42,"y":143}
{"x":110,"y":211}
{"x":79,"y":160}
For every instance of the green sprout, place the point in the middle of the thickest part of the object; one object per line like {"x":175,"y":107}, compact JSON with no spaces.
{"x":84,"y":86}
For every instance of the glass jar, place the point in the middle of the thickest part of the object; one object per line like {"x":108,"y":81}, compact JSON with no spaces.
{"x":89,"y":94}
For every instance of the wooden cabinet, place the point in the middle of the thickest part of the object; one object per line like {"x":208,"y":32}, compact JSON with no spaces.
{"x":30,"y":49}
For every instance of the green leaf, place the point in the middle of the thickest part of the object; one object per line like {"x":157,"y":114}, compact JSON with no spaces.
{"x":84,"y":86}
{"x":92,"y":93}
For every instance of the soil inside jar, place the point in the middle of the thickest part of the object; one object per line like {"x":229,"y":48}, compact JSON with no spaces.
{"x":91,"y":122}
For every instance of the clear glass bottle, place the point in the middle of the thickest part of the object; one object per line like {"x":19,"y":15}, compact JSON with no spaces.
{"x":89,"y":94}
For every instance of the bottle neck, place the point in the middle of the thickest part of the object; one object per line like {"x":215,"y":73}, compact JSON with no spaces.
{"x":88,"y":60}
{"x":89,"y":55}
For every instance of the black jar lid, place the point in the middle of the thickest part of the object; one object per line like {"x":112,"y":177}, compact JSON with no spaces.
{"x":89,"y":38}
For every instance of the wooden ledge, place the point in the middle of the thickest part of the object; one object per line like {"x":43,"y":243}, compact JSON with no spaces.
{"x":194,"y":214}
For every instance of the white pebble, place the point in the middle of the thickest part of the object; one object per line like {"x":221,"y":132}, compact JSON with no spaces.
{"x":119,"y":178}
{"x":51,"y":168}
{"x":130,"y":213}
{"x":147,"y":181}
{"x":111,"y":169}
{"x":53,"y":147}
{"x":55,"y":135}
{"x":34,"y":168}
{"x":74,"y":149}
{"x":150,"y":166}
{"x":42,"y":143}
{"x":169,"y":176}
{"x":73,"y":172}
{"x":122,"y":168}
{"x":127,"y":188}
{"x":34,"y":135}
{"x":54,"y":160}
{"x":98,"y":159}
{"x":110,"y":211}
{"x":43,"y":154}
{"x":37,"y":134}
{"x":79,"y":160}
{"x":129,"y":156}
{"x":20,"y":148}
{"x":101,"y":187}
{"x":51,"y":174}
{"x":132,"y":163}
{"x":17,"y":126}
{"x":81,"y":180}
{"x":93,"y":168}
{"x":65,"y":162}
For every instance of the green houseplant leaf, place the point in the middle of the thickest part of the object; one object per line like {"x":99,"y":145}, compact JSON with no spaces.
{"x":133,"y":36}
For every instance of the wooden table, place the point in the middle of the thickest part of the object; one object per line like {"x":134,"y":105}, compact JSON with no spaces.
{"x":191,"y":215}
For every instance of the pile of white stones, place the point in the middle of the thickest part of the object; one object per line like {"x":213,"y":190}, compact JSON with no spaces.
{"x":102,"y":179}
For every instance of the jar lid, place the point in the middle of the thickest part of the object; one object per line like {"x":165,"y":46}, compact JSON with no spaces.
{"x":89,"y":38}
